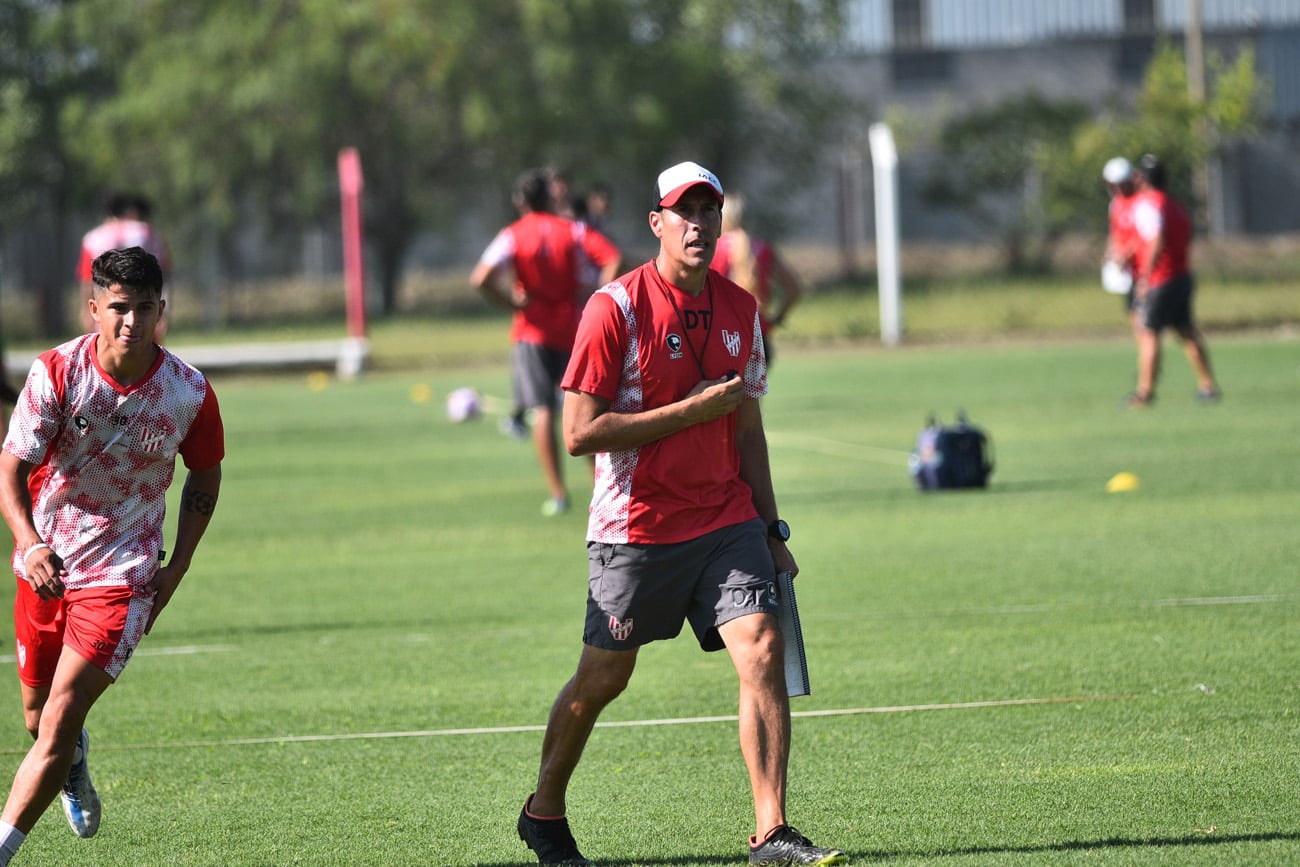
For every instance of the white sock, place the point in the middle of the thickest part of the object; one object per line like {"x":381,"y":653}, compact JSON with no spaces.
{"x":10,"y":839}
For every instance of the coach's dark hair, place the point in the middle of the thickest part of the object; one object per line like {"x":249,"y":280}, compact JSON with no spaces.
{"x":532,"y":191}
{"x":132,"y":267}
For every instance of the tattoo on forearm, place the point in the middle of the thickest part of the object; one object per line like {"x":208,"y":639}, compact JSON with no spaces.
{"x":199,"y":502}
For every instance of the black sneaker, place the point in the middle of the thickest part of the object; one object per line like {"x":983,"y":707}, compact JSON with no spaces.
{"x":552,"y":840}
{"x":786,"y":846}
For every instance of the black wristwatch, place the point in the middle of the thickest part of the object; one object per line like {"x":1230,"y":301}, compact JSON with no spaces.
{"x":779,"y":529}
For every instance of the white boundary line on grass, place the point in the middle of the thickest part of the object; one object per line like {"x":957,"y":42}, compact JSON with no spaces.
{"x":835,"y":449}
{"x":1223,"y":600}
{"x":180,"y":650}
{"x":532,"y":729}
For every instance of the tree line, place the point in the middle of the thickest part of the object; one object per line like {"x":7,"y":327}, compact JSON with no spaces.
{"x":231,"y":113}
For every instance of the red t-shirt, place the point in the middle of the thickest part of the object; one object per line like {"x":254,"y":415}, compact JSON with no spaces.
{"x":642,"y":344}
{"x":550,"y":255}
{"x":1156,"y":214}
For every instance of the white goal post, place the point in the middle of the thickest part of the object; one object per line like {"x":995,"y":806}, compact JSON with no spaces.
{"x":884,"y":161}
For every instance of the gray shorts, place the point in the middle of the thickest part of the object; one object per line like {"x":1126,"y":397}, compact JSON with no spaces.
{"x":536,"y":372}
{"x":643,"y":593}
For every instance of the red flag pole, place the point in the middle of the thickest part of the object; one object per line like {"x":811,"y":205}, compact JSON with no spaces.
{"x":350,"y":185}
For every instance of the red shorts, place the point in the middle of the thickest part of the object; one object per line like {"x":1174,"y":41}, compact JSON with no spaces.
{"x":102,"y":625}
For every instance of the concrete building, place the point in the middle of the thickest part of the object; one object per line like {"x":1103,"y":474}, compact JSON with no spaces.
{"x":929,"y":60}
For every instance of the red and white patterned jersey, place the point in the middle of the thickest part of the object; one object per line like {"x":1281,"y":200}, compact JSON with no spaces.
{"x":551,"y":256}
{"x":644,"y":343}
{"x":118,"y":235}
{"x":104,"y":457}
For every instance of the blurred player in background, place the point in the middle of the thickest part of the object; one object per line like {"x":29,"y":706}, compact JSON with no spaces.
{"x":1120,"y":261}
{"x":536,"y":268}
{"x":1163,"y":284}
{"x":664,"y":389}
{"x":126,"y":224}
{"x":84,"y":473}
{"x":561,"y":193}
{"x":754,"y":263}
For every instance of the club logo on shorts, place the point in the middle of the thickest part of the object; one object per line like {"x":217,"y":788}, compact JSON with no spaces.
{"x":618,"y":629}
{"x":674,"y":346}
{"x":22,"y":655}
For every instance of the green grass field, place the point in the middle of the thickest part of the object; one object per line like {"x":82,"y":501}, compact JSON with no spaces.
{"x":357,"y":668}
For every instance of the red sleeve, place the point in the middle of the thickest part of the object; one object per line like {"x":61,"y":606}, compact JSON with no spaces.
{"x":84,"y":271}
{"x":599,"y":249}
{"x":205,"y":444}
{"x":596,"y":365}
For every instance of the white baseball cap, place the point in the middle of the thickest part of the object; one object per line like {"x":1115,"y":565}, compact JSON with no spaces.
{"x":674,"y":182}
{"x":1117,"y":171}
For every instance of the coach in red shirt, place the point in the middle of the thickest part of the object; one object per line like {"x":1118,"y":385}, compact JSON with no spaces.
{"x":663,"y":388}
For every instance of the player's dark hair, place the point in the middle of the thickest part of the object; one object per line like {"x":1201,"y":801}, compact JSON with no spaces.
{"x":1153,"y":170}
{"x":532,"y":192}
{"x":132,"y":267}
{"x":119,"y":205}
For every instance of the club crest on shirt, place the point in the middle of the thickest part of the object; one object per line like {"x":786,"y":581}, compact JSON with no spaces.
{"x":151,"y":442}
{"x":731,"y":340}
{"x":674,"y":342}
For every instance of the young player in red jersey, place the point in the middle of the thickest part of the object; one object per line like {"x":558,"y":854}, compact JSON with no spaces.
{"x":84,"y":473}
{"x":663,"y":388}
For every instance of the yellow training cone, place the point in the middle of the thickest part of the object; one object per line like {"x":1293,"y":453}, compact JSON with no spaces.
{"x":1122,"y":482}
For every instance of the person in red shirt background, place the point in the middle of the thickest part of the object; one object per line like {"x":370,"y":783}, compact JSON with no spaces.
{"x":754,"y":264}
{"x":536,"y":267}
{"x":1163,"y":284}
{"x":126,"y":224}
{"x":1120,"y":260}
{"x":664,"y":388}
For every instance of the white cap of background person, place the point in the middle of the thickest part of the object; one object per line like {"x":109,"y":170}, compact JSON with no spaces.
{"x":1117,"y":171}
{"x":675,"y":181}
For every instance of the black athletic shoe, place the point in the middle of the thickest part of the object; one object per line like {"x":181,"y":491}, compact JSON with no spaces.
{"x":786,"y":846}
{"x":552,"y":840}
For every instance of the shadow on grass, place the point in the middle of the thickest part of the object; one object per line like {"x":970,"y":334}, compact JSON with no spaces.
{"x":877,"y":855}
